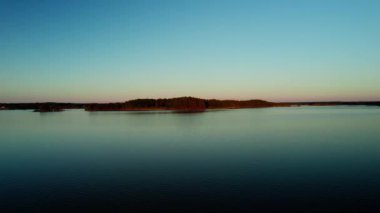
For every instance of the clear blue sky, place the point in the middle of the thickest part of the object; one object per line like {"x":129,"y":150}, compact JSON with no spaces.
{"x":284,"y":50}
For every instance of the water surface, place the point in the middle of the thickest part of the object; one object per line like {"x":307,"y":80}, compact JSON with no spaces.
{"x":305,"y":159}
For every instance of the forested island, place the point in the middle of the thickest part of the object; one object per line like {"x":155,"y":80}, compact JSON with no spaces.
{"x":179,"y":104}
{"x":184,"y":104}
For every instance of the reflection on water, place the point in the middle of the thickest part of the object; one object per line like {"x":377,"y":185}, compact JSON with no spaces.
{"x":321,"y":159}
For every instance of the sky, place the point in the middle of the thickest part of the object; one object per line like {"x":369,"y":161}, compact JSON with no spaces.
{"x":109,"y":50}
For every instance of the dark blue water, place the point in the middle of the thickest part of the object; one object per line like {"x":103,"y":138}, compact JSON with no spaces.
{"x":301,"y":159}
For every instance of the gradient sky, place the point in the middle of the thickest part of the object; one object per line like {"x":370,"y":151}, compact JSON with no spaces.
{"x":85,"y":51}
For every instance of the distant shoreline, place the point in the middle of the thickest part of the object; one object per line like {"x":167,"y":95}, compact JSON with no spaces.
{"x":186,"y":104}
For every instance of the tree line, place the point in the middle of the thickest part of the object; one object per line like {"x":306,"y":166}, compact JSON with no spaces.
{"x":182,"y":103}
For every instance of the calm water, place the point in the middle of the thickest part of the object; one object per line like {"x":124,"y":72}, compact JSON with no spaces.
{"x":306,"y":159}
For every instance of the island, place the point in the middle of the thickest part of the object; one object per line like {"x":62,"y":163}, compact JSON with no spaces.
{"x":180,"y":104}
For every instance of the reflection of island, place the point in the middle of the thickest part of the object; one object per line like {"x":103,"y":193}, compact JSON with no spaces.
{"x":186,"y":104}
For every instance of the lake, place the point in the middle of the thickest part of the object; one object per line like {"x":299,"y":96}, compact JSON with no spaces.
{"x":299,"y":159}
